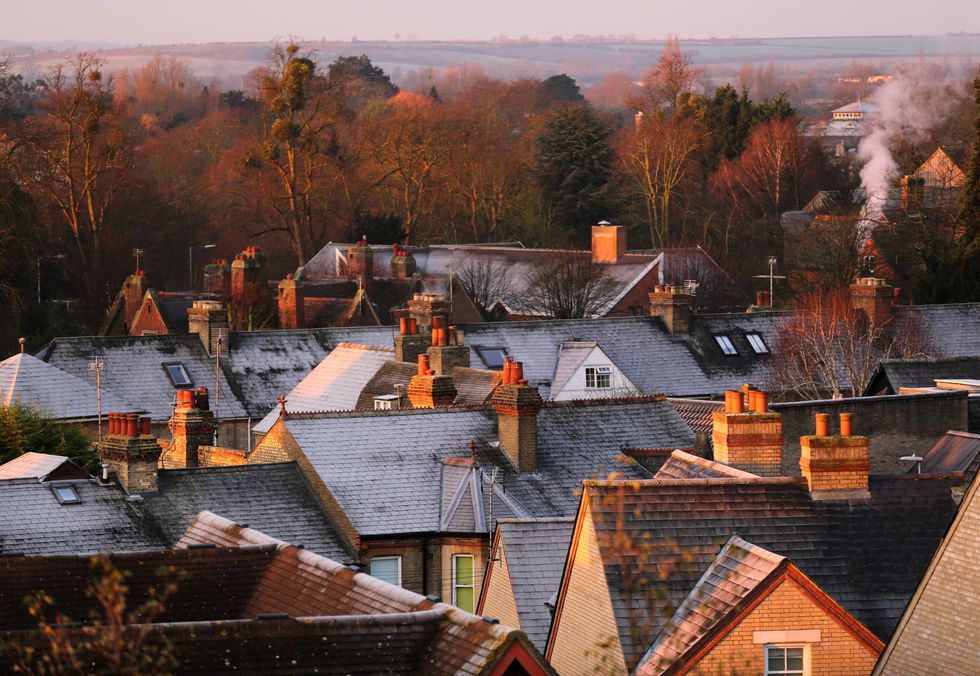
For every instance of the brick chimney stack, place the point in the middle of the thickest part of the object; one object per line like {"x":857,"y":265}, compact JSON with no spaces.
{"x":872,"y":297}
{"x":608,"y":242}
{"x":360,"y":264}
{"x":749,"y":438}
{"x":217,"y":278}
{"x":426,"y":389}
{"x":424,"y":307}
{"x":290,"y":300}
{"x":209,"y":320}
{"x":447,"y":351}
{"x":132,"y":452}
{"x":835,"y":467}
{"x":672,"y":304}
{"x":134,"y":289}
{"x":403,"y":264}
{"x":913,"y":194}
{"x":517,"y":405}
{"x":409,"y":343}
{"x":192,"y":425}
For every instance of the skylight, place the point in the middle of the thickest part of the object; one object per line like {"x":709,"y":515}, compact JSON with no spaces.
{"x":493,"y":357}
{"x":178,"y":374}
{"x":725,"y":343}
{"x":758,"y":345}
{"x":66,"y":495}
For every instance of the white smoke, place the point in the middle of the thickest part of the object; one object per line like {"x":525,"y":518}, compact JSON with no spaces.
{"x":908,"y":106}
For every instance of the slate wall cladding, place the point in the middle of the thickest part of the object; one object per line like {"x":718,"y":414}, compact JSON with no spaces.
{"x":896,"y":425}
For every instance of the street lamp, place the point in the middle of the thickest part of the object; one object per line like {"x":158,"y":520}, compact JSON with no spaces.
{"x":39,"y":259}
{"x":190,"y":263}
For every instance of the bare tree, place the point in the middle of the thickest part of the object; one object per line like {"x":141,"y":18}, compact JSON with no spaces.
{"x":666,"y":83}
{"x":570,"y":286}
{"x":486,"y":281}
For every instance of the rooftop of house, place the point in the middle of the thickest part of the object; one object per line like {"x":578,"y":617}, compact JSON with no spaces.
{"x":41,"y":466}
{"x":866,"y":554}
{"x":386,"y":469}
{"x":697,"y":413}
{"x":29,"y":381}
{"x":536,"y":550}
{"x":231,"y":581}
{"x":683,"y":465}
{"x":954,"y":452}
{"x":892,"y":375}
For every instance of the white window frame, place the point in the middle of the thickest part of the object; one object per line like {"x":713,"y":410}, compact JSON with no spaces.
{"x":805,"y":647}
{"x":726,"y":345}
{"x":471,"y":585}
{"x":593,"y":375}
{"x":396,"y":558}
{"x":757,"y":343}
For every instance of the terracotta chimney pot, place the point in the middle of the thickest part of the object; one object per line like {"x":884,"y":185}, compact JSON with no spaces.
{"x":846,"y":424}
{"x":823,"y":424}
{"x":132,"y":424}
{"x":145,"y":426}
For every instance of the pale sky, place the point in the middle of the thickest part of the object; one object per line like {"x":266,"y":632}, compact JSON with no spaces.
{"x":184,"y":21}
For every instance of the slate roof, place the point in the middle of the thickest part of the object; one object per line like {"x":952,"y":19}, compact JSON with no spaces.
{"x":954,"y":452}
{"x":894,"y":374}
{"x":738,"y":570}
{"x":274,"y":498}
{"x":536,"y":550}
{"x":697,"y":413}
{"x":390,"y":374}
{"x":384,"y":468}
{"x":31,"y":382}
{"x":33,"y":522}
{"x":134,"y":369}
{"x":571,"y":355}
{"x":681,"y":465}
{"x":336,"y":382}
{"x":32,"y":465}
{"x":867,"y":555}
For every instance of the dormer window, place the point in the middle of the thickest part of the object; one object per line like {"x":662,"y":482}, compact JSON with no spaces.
{"x":726,"y":345}
{"x":178,"y":374}
{"x":756,"y":343}
{"x":598,"y":377}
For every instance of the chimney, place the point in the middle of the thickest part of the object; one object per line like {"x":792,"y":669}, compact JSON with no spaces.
{"x":134,"y":289}
{"x":517,"y":405}
{"x":428,"y":390}
{"x":872,"y":297}
{"x":290,"y":302}
{"x":217,"y":278}
{"x":409,"y":343}
{"x":447,"y":351}
{"x":402,"y":263}
{"x":132,"y":452}
{"x":608,"y":242}
{"x":749,"y":438}
{"x":672,"y":304}
{"x":209,"y":320}
{"x":835,"y":467}
{"x":913,"y":194}
{"x":424,"y":307}
{"x":192,"y":425}
{"x":360,"y":264}
{"x":246,"y":282}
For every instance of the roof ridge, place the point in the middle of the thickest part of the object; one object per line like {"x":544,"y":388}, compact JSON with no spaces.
{"x":363,"y":346}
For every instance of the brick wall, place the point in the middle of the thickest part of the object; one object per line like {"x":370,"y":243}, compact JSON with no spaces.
{"x":210,"y":456}
{"x":896,"y":425}
{"x":586,"y":640}
{"x":442,"y":571}
{"x":147,"y":321}
{"x":499,"y":601}
{"x":438,"y":552}
{"x":788,"y":608}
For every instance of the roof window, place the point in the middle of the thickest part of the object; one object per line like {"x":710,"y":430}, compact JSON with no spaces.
{"x":493,"y":357}
{"x":725,"y":343}
{"x":178,"y":374}
{"x":66,"y":495}
{"x":756,"y":343}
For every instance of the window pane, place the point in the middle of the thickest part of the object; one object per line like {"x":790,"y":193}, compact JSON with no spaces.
{"x":387,"y":569}
{"x":777,"y":661}
{"x":464,"y":570}
{"x":794,"y":659}
{"x":464,"y":599}
{"x":590,"y":377}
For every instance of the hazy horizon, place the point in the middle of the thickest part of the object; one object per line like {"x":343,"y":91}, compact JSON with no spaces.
{"x":183,"y":21}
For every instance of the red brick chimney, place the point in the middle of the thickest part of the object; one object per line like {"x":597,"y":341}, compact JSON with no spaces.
{"x":247,"y":288}
{"x":360,"y":264}
{"x":424,"y":307}
{"x":608,"y":242}
{"x":209,"y":320}
{"x":447,"y":351}
{"x":134,"y":288}
{"x":835,"y":467}
{"x":672,"y":304}
{"x":217,"y":278}
{"x":428,"y":390}
{"x":749,"y":438}
{"x":290,"y":300}
{"x":192,"y":426}
{"x":402,"y":263}
{"x":913,"y":194}
{"x":132,"y":452}
{"x":517,"y":405}
{"x":872,"y":297}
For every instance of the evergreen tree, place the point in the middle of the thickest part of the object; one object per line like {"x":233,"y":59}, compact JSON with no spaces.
{"x":24,"y":429}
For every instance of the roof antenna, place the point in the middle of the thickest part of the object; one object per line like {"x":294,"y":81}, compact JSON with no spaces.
{"x":98,"y":365}
{"x":917,"y":459}
{"x":137,"y":254}
{"x":472,"y":446}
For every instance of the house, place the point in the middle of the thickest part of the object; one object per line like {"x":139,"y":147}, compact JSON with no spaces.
{"x":755,"y":611}
{"x":893,"y":376}
{"x":954,"y":452}
{"x":416,"y":492}
{"x":524,"y":572}
{"x":245,"y":602}
{"x":936,"y":633}
{"x":641,"y":549}
{"x":842,"y":133}
{"x":41,"y":466}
